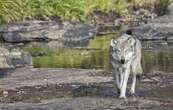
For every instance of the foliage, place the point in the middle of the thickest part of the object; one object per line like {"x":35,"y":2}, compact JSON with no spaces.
{"x":158,"y":6}
{"x":72,"y":9}
{"x":161,"y":6}
{"x":63,"y":8}
{"x":11,"y":10}
{"x":119,"y":6}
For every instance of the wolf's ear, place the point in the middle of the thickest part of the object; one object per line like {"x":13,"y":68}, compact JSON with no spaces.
{"x":131,"y":42}
{"x":113,"y":42}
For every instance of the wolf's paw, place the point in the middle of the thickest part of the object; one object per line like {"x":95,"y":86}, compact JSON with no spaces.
{"x":132,"y":92}
{"x":122,"y":97}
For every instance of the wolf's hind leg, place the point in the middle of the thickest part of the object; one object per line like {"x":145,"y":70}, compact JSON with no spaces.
{"x":132,"y":90}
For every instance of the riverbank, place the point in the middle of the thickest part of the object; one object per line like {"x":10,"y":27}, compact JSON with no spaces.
{"x":65,"y":89}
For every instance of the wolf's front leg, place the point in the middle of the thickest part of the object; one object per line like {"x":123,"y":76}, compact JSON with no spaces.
{"x":125,"y":80}
{"x":117,"y":81}
{"x":132,"y":90}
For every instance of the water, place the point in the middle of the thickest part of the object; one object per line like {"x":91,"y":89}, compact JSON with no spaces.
{"x":156,"y":56}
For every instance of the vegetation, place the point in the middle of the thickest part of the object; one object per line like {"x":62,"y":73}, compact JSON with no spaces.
{"x":161,"y":6}
{"x":11,"y":10}
{"x":66,"y":9}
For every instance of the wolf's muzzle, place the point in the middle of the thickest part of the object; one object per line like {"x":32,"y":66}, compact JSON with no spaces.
{"x":122,"y":61}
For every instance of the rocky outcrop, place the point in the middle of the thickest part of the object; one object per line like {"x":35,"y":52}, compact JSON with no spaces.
{"x":46,"y":31}
{"x":157,"y":29}
{"x":105,"y":23}
{"x":160,"y":28}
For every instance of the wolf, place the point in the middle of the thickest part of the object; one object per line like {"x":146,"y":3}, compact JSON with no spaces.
{"x":125,"y":58}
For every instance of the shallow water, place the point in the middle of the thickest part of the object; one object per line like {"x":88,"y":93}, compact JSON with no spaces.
{"x":156,"y":56}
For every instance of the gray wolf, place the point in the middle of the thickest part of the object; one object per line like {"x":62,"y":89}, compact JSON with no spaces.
{"x":125,"y":56}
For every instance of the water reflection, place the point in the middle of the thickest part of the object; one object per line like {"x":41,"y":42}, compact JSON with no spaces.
{"x":157,"y":56}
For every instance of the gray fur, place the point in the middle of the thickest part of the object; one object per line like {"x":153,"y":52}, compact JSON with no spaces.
{"x":125,"y":54}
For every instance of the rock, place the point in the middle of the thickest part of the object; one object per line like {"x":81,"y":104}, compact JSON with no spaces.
{"x":157,"y":29}
{"x":105,"y":22}
{"x":14,"y":58}
{"x":5,"y":93}
{"x":170,"y":9}
{"x":20,"y":58}
{"x":77,"y":34}
{"x":45,"y":31}
{"x":4,"y":60}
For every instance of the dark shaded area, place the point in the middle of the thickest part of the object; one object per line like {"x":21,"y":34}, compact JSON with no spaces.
{"x":5,"y":72}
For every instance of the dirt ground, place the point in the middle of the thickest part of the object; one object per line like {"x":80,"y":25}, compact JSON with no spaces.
{"x":80,"y":89}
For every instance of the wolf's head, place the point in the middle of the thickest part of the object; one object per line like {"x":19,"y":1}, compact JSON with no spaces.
{"x":122,"y":49}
